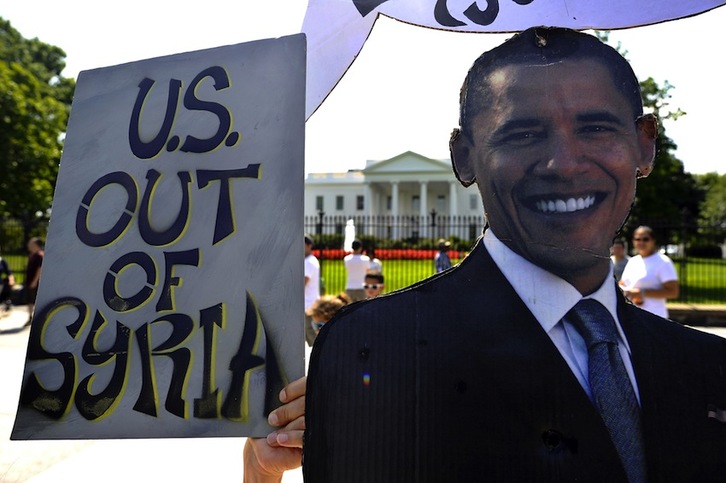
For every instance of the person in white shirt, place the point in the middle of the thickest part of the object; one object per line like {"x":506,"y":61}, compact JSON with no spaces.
{"x":312,"y":287}
{"x":649,"y":278}
{"x":356,"y":267}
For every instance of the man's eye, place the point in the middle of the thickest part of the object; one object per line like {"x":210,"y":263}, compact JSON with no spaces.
{"x":523,"y":137}
{"x":597,"y":128}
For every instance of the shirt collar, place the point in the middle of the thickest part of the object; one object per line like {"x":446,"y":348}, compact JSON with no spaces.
{"x":546,"y":295}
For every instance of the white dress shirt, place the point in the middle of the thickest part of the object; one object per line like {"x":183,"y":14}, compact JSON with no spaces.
{"x":549,"y":298}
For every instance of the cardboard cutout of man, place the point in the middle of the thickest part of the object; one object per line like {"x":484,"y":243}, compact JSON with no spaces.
{"x":479,"y":373}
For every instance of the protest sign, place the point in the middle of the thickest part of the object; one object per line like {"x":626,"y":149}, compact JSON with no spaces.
{"x":337,"y":29}
{"x":170,"y":300}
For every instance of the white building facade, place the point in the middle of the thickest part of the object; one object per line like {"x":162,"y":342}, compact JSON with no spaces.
{"x":407,"y":188}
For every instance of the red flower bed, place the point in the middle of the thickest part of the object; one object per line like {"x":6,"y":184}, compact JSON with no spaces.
{"x":389,"y":254}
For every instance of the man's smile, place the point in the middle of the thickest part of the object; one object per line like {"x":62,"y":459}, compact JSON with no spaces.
{"x":554,"y":204}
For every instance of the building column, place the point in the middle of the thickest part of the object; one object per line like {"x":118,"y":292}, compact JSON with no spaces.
{"x":368,"y":207}
{"x":394,"y":207}
{"x":453,"y":211}
{"x":423,"y":215}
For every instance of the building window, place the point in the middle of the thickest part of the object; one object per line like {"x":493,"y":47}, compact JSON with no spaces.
{"x":441,"y":203}
{"x":389,"y":202}
{"x":473,"y":202}
{"x":319,"y":203}
{"x":339,"y":203}
{"x":359,"y":203}
{"x":415,"y":204}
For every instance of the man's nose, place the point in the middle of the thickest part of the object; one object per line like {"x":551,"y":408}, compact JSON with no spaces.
{"x":564,"y":157}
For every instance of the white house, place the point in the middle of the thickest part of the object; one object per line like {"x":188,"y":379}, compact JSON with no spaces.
{"x":407,"y":186}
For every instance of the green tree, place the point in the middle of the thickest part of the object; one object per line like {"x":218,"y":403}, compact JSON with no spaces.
{"x":34,"y":107}
{"x":669,"y":196}
{"x":713,"y":207}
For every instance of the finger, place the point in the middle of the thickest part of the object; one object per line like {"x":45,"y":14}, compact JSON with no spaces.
{"x":287,"y":412}
{"x":293,"y":390}
{"x":290,"y":435}
{"x":289,"y":439}
{"x":297,"y":423}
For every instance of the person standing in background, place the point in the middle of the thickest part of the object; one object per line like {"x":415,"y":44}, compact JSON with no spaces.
{"x":356,"y":267}
{"x":32,"y":274}
{"x":619,"y":258}
{"x":649,"y":278}
{"x":312,"y":287}
{"x":375,"y":266}
{"x":7,"y":280}
{"x":373,"y":284}
{"x":441,"y":259}
{"x":325,"y":308}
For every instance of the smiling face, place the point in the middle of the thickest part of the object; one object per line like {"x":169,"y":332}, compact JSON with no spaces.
{"x":644,"y":241}
{"x":556,"y":154}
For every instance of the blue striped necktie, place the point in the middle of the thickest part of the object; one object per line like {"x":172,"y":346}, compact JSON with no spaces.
{"x":612,"y":391}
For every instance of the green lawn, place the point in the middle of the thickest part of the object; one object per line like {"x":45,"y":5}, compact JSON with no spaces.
{"x":397,"y":273}
{"x":703,"y":281}
{"x":17,"y":266}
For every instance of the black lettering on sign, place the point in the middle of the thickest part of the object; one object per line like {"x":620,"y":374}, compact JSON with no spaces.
{"x":103,"y":239}
{"x":443,"y":16}
{"x":224,"y":225}
{"x":171,"y":234}
{"x":148,"y":150}
{"x":164,"y":136}
{"x":94,"y":403}
{"x":95,"y":406}
{"x":191,"y":102}
{"x":110,"y":290}
{"x":208,"y":405}
{"x":54,"y":403}
{"x":367,"y":6}
{"x":182,"y":327}
{"x":171,"y":259}
{"x":236,"y":404}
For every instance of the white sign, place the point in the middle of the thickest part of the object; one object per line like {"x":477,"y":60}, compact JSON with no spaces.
{"x":337,"y":29}
{"x":170,"y":301}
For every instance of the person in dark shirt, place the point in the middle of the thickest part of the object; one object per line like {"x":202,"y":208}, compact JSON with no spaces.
{"x":32,"y":273}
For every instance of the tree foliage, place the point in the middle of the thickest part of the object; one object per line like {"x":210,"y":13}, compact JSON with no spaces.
{"x":669,"y":195}
{"x":713,"y":207}
{"x":34,"y":107}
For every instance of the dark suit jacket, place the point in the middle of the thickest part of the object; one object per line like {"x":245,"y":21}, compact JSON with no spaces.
{"x":454,"y":380}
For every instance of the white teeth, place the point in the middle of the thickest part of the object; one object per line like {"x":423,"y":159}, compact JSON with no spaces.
{"x":565,"y":206}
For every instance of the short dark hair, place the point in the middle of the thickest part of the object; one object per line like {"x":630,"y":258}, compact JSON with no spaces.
{"x":356,"y":244}
{"x":39,"y":242}
{"x":543,"y":46}
{"x":648,"y":230}
{"x":308,"y":240}
{"x":377,"y":276}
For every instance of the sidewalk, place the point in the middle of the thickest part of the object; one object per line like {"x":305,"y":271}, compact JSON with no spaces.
{"x":703,"y":315}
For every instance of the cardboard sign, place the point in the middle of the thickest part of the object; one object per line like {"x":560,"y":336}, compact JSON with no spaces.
{"x":526,"y":362}
{"x":170,"y":300}
{"x":337,"y":29}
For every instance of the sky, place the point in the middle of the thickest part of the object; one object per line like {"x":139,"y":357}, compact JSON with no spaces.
{"x":401,"y":94}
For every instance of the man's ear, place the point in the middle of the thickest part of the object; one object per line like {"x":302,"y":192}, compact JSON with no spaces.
{"x":647,"y":127}
{"x":460,"y":148}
